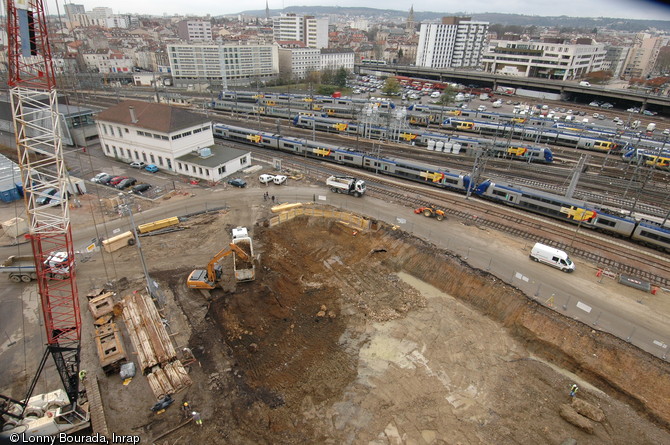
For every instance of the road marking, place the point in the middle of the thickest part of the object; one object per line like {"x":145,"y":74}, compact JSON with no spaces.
{"x":584,"y":307}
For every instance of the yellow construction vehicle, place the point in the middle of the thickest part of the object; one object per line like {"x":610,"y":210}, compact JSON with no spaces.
{"x":209,"y":278}
{"x":430,"y":212}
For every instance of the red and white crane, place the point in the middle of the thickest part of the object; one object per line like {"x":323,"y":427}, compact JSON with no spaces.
{"x":37,"y":126}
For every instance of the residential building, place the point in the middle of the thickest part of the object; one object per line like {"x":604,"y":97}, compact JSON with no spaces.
{"x":107,"y":61}
{"x":551,"y":58}
{"x":615,"y":60}
{"x":297,"y":60}
{"x":172,"y":138}
{"x":334,"y":59}
{"x":456,"y":42}
{"x":311,"y":31}
{"x":642,"y":56}
{"x":195,"y":30}
{"x":243,"y":63}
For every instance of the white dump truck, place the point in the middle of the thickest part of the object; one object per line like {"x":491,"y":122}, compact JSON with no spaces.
{"x":552,"y":256}
{"x":346,"y":184}
{"x":244,"y":267}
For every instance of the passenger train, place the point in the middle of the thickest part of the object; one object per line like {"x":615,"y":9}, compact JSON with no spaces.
{"x":640,"y":229}
{"x":655,"y":158}
{"x":533,"y":129}
{"x":431,"y":140}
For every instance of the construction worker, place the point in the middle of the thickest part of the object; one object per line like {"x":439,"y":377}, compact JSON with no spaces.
{"x":82,"y":375}
{"x":197,"y":418}
{"x":185,"y":409}
{"x":573,"y":390}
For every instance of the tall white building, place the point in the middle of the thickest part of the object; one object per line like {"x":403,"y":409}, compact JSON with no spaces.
{"x":243,"y":63}
{"x":195,"y":30}
{"x":455,"y":42}
{"x":548,"y":59}
{"x":311,"y":31}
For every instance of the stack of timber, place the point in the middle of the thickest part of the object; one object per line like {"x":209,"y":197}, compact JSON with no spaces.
{"x":155,"y":353}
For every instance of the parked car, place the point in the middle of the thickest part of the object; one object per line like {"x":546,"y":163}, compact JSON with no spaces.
{"x":279,"y":179}
{"x":116,"y":179}
{"x":48,"y":196}
{"x":138,"y":164}
{"x":152,"y":168}
{"x":126,"y":183}
{"x":101,"y":177}
{"x":237,"y":182}
{"x":481,"y":108}
{"x":264,"y":179}
{"x":140,"y":188}
{"x":649,"y":113}
{"x":607,"y":105}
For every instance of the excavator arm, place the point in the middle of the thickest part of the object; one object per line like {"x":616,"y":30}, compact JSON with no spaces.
{"x":211,"y":266}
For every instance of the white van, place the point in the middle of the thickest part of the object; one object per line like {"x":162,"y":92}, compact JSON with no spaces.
{"x":552,"y":256}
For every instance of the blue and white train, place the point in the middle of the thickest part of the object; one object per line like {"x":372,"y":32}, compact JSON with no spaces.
{"x":640,"y":229}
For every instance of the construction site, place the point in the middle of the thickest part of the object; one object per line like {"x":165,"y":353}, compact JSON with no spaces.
{"x":354,"y":331}
{"x":247,"y":322}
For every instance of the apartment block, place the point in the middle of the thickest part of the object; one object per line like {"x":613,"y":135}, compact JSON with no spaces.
{"x":454,"y":43}
{"x":240,"y":64}
{"x":195,"y":30}
{"x":311,"y":31}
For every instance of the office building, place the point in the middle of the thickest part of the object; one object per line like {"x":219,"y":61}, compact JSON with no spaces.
{"x":551,"y":58}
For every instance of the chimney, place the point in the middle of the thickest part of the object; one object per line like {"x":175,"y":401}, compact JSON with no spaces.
{"x":133,"y":118}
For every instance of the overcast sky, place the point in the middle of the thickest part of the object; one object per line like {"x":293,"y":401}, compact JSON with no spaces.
{"x":638,"y":9}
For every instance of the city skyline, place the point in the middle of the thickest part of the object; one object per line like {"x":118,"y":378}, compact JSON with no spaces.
{"x":630,"y":9}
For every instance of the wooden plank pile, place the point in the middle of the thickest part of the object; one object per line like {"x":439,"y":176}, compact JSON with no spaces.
{"x":155,"y":352}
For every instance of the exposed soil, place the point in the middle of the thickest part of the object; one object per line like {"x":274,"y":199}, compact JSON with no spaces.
{"x":342,"y":339}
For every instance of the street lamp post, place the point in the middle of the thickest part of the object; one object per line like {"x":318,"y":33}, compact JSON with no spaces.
{"x":125,"y":207}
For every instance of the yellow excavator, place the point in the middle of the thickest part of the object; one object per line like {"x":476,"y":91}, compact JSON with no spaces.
{"x":209,"y":278}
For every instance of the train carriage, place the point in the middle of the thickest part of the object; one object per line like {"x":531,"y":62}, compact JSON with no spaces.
{"x":240,"y":96}
{"x":333,"y":153}
{"x":652,"y":234}
{"x":657,"y":159}
{"x":573,"y":211}
{"x":425,"y":174}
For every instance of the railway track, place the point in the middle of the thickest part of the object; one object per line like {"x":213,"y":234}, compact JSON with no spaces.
{"x":606,"y":252}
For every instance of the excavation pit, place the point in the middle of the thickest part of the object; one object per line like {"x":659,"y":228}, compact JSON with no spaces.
{"x":360,"y":336}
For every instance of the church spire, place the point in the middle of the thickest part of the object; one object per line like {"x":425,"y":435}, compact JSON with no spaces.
{"x":267,"y":11}
{"x":410,"y":20}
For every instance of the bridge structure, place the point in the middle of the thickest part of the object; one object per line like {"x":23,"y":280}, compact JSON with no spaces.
{"x":568,"y":90}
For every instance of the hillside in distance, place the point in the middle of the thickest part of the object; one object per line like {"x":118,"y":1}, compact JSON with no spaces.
{"x":617,"y":24}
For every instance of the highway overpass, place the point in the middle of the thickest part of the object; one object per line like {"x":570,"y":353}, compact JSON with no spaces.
{"x":570,"y":91}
